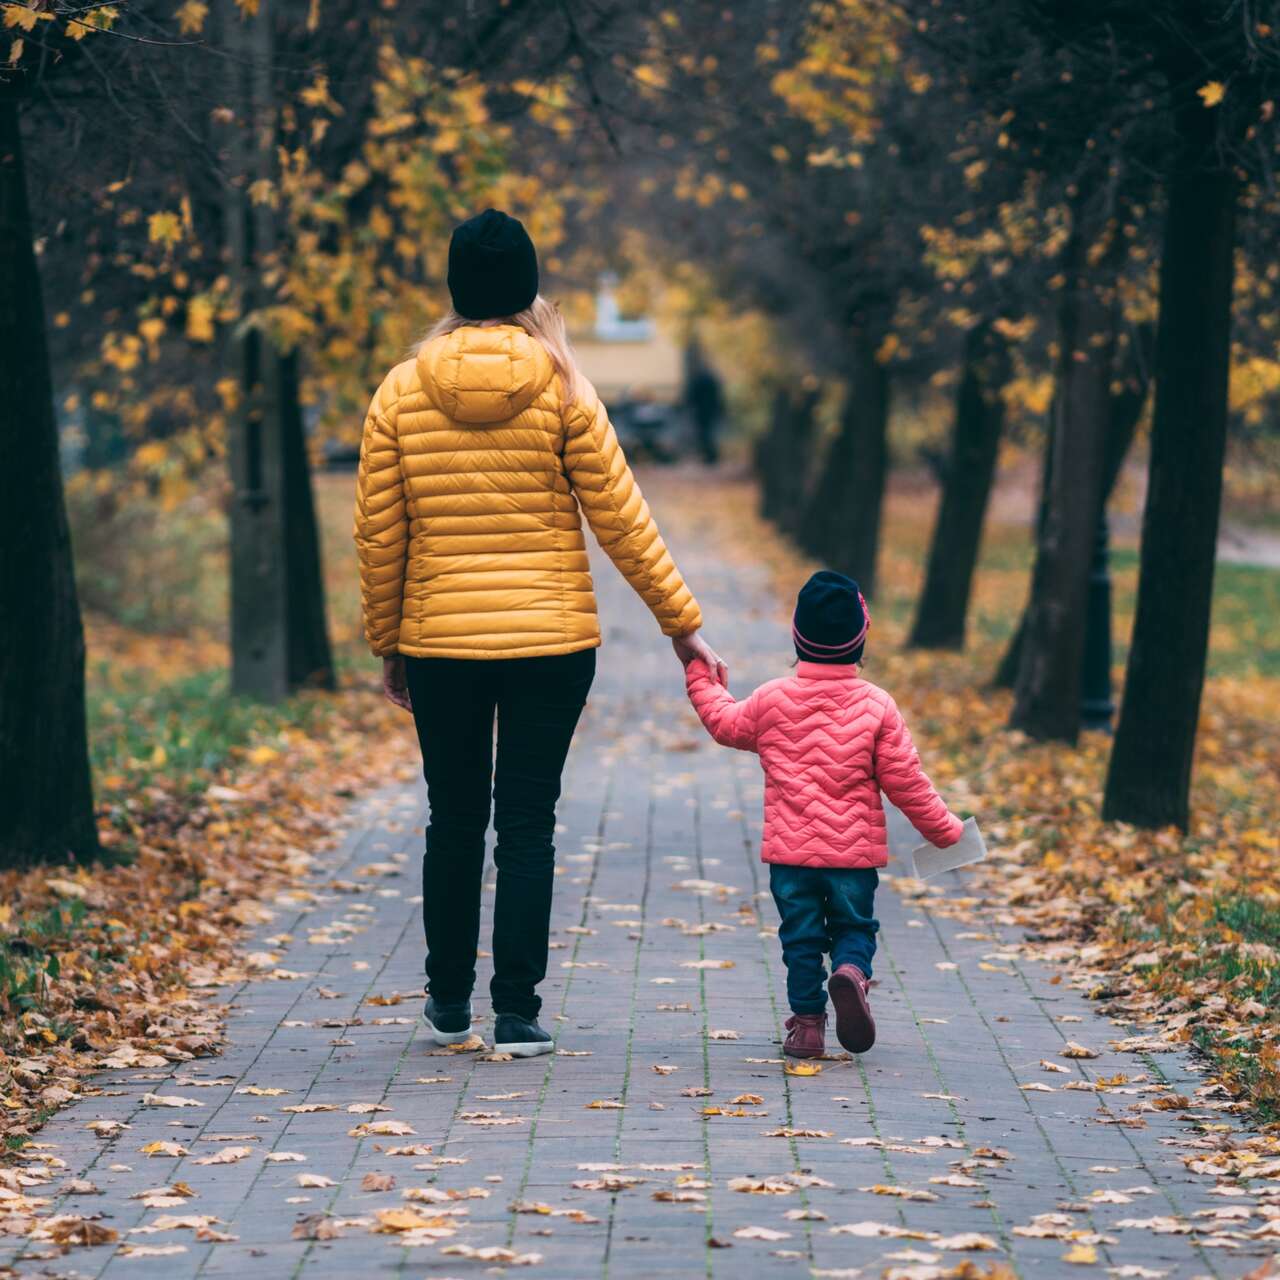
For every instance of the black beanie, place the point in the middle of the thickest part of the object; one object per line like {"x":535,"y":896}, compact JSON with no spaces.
{"x":831,"y":619}
{"x":493,"y":266}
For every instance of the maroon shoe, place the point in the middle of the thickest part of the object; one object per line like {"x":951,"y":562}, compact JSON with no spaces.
{"x":855,"y":1027}
{"x":806,"y":1035}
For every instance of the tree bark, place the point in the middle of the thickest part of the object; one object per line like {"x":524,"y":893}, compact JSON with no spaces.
{"x":842,"y":525}
{"x":47,"y":809}
{"x":768,"y":453}
{"x":1126,"y":411}
{"x":1007,"y":672}
{"x":793,"y":460}
{"x":1149,"y":777}
{"x":279,"y":637}
{"x":957,"y":533}
{"x":259,"y":634}
{"x":1047,"y":689}
{"x":310,"y":658}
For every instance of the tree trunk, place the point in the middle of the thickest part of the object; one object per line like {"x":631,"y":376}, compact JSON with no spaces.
{"x":1126,"y":411}
{"x":1047,"y":689}
{"x":47,"y":810}
{"x":793,"y":460}
{"x":1149,"y":778}
{"x":768,"y":451}
{"x":1127,"y":405}
{"x":279,"y":637}
{"x":310,"y":659}
{"x":1007,"y":672}
{"x":259,"y":635}
{"x":819,"y":525}
{"x":842,"y":525}
{"x":957,"y":533}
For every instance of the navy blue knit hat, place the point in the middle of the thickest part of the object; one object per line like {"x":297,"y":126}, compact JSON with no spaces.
{"x":831,"y":620}
{"x":493,"y":266}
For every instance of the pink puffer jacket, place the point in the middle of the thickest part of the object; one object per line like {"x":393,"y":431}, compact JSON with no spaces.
{"x":829,"y":742}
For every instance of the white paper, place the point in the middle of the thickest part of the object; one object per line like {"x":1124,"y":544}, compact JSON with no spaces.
{"x":927,"y":860}
{"x":901,"y":835}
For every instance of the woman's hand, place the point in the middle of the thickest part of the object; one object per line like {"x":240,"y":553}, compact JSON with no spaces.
{"x":693,"y":647}
{"x":394,"y":684}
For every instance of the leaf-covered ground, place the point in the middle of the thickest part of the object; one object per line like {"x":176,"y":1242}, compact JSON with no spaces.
{"x":207,"y":804}
{"x":1183,"y":930}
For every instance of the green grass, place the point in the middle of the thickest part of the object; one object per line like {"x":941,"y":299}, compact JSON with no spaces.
{"x":186,"y":728}
{"x":1232,"y":921}
{"x":28,"y":957}
{"x":1244,"y":640}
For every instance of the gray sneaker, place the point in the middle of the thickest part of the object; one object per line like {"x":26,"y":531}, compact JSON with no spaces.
{"x":447,"y":1023}
{"x":520,"y":1037}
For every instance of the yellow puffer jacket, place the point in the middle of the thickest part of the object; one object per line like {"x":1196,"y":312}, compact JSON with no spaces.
{"x":472,"y":472}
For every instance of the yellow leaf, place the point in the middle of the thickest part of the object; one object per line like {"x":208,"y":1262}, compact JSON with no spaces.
{"x":1081,"y":1253}
{"x":163,"y":1149}
{"x":400,"y":1220}
{"x":802,"y":1068}
{"x":23,"y":16}
{"x":164,"y":228}
{"x":1212,"y":92}
{"x":262,"y":755}
{"x":191,"y":16}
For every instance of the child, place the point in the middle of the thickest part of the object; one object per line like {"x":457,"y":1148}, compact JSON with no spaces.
{"x":828,"y":742}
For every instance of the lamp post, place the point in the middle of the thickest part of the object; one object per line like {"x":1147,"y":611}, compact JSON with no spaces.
{"x":1096,"y":706}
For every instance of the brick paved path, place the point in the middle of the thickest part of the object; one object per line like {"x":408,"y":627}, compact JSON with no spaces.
{"x":658,"y":883}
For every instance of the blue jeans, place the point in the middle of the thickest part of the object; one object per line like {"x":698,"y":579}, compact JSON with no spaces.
{"x":825,"y":911}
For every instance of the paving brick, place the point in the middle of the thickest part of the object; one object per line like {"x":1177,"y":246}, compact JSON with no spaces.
{"x":648,"y":803}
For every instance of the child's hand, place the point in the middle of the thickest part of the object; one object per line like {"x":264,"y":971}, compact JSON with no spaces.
{"x":693,"y":647}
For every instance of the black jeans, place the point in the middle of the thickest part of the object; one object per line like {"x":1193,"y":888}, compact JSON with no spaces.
{"x":538,"y":702}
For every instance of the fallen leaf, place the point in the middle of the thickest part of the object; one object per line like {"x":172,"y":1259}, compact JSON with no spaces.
{"x":316,"y":1226}
{"x":228,"y":1155}
{"x":761,"y":1233}
{"x":1074,"y":1050}
{"x":383,"y":1128}
{"x":902,"y":1193}
{"x":801,"y":1068}
{"x":1083,"y":1254}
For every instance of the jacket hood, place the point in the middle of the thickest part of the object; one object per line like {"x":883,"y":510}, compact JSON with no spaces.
{"x":483,"y":374}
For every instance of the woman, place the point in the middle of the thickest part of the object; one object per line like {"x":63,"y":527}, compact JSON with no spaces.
{"x":478,"y":455}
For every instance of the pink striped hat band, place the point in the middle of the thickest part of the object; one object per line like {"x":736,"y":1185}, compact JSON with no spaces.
{"x":810,"y":649}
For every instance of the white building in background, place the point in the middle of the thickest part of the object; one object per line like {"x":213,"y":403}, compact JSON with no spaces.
{"x":627,"y":357}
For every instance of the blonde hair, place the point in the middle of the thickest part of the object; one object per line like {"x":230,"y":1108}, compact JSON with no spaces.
{"x":541,"y":320}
